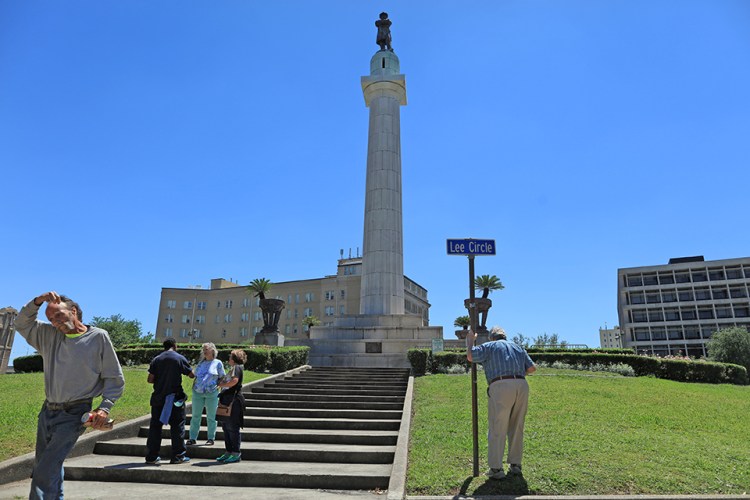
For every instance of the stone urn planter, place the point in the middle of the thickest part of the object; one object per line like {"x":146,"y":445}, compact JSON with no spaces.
{"x":482,"y":306}
{"x":461,"y":334}
{"x":271,"y":309}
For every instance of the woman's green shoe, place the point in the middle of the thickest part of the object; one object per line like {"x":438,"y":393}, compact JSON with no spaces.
{"x":223,"y":457}
{"x":232,"y":459}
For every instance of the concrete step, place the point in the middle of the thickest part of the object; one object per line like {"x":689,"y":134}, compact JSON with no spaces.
{"x":267,"y":451}
{"x":321,"y":413}
{"x":345,"y":378}
{"x":270,"y":389}
{"x":343,"y":476}
{"x":374,"y":371}
{"x":340,"y":385}
{"x":353,"y":424}
{"x":273,"y":396}
{"x":288,"y":435}
{"x":352,"y":405}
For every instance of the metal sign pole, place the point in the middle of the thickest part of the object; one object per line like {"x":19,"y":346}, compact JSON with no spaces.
{"x":474,"y":412}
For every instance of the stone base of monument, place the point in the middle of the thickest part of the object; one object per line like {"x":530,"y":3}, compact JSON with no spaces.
{"x":368,"y":341}
{"x":275,"y":339}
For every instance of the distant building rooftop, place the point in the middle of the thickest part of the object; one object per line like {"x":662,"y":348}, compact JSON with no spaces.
{"x":680,"y":260}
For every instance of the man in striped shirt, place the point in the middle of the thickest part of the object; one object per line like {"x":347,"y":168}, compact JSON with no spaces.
{"x":505,"y":366}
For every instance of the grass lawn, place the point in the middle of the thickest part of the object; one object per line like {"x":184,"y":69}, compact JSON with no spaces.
{"x":585,"y":434}
{"x":22,"y":394}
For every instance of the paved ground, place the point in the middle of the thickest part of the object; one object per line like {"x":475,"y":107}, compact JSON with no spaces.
{"x":85,"y":490}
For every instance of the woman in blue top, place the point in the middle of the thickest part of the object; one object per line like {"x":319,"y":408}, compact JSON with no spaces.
{"x":206,"y":392}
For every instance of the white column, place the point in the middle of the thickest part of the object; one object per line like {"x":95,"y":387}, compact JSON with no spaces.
{"x":382,"y":289}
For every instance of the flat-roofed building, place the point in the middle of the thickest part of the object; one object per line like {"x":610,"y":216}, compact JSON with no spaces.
{"x":227,"y":313}
{"x":610,"y":338}
{"x":677,"y":307}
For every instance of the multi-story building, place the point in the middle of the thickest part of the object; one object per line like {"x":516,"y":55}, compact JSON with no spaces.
{"x":610,"y":337}
{"x":7,"y":335}
{"x":675,"y":308}
{"x":227,"y":313}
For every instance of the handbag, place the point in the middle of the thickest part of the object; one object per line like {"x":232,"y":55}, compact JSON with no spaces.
{"x":226,"y":401}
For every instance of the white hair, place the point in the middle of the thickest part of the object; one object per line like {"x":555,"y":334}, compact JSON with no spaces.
{"x":497,"y":333}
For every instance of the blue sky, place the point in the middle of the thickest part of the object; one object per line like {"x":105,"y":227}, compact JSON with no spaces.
{"x":150,"y":144}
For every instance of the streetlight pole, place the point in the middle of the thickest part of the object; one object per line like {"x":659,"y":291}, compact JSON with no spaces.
{"x":474,"y":412}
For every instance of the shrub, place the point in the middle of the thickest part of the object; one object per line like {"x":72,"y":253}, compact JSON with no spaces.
{"x":419,"y":359}
{"x":286,"y":358}
{"x":730,"y":345}
{"x":28,"y":364}
{"x":441,"y":361}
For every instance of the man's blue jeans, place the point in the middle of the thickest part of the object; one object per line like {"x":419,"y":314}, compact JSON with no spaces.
{"x":56,"y":433}
{"x":210,"y":401}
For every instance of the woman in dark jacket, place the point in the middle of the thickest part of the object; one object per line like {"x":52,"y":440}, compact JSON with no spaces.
{"x":232,"y":394}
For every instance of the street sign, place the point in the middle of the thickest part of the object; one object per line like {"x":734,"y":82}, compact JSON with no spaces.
{"x":438,"y":345}
{"x":468,"y":246}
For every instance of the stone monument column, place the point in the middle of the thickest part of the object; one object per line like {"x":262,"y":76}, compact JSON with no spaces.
{"x":382,"y":289}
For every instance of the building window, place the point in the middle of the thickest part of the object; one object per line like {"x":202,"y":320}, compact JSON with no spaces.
{"x":258,"y":315}
{"x":734,"y":273}
{"x":171,"y":304}
{"x":296,"y":298}
{"x":202,"y":306}
{"x":653,"y":298}
{"x":705,"y":313}
{"x":330,"y":294}
{"x":685,"y":295}
{"x":289,"y":299}
{"x":669,"y":296}
{"x":641,"y":334}
{"x":639,"y":316}
{"x":257,"y":301}
{"x":308,"y":311}
{"x":343,"y":294}
{"x":741,"y":311}
{"x":341,"y":310}
{"x":719,"y":293}
{"x":672,"y":314}
{"x":692,"y":332}
{"x":658,"y":333}
{"x":702,"y":294}
{"x":227,"y":318}
{"x":699,"y":276}
{"x":200,"y":319}
{"x":228,"y":304}
{"x":245,"y":302}
{"x":688,"y":313}
{"x":217,"y":319}
{"x":256,"y":330}
{"x":187,"y":305}
{"x":682,"y":277}
{"x":294,"y":330}
{"x":224,"y":333}
{"x":243,"y":332}
{"x":675,"y":332}
{"x":169,"y":318}
{"x":196,"y":333}
{"x":330,"y":310}
{"x":737,"y":292}
{"x":716,"y":275}
{"x":723,"y":312}
{"x":666,"y":279}
{"x":655,"y":315}
{"x":168,"y":332}
{"x":650,"y":279}
{"x":287,"y":329}
{"x":183,"y":332}
{"x":245,"y":317}
{"x":309,"y":297}
{"x":185,"y":318}
{"x":218,"y":304}
{"x":707,"y":331}
{"x":296,"y":314}
{"x":637,"y":298}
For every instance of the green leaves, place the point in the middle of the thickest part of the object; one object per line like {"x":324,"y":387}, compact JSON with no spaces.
{"x":122,"y":331}
{"x":259,"y":286}
{"x":487,"y":284}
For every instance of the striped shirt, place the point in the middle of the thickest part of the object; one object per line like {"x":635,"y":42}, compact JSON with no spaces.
{"x":500,"y":358}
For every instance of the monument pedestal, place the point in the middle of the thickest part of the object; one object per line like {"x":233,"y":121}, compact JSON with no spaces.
{"x":371,"y":341}
{"x":274,"y":339}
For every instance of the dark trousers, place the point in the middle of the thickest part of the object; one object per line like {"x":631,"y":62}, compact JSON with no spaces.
{"x":232,"y":436}
{"x":176,"y":431}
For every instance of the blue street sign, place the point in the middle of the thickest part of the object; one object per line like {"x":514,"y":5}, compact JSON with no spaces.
{"x":470,"y":247}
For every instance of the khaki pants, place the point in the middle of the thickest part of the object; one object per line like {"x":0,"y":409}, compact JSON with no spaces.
{"x":507,"y":405}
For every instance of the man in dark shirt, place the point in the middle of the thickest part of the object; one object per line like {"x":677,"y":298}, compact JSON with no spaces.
{"x":168,"y":402}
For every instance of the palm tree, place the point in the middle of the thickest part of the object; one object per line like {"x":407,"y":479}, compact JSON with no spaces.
{"x":487,"y":284}
{"x":462,"y":322}
{"x":259,"y":287}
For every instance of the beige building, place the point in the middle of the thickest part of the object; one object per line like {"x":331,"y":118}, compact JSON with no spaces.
{"x":610,"y":338}
{"x":7,"y":335}
{"x":675,"y":308}
{"x":227,"y":313}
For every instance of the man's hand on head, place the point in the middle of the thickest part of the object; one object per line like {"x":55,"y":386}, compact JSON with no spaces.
{"x":52,"y":297}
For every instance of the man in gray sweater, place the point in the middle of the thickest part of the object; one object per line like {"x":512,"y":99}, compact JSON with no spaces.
{"x":79,"y":365}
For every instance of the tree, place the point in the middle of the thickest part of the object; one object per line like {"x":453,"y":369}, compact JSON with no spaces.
{"x":522,"y":341}
{"x":122,"y":331}
{"x":487,"y":284}
{"x":462,"y":322}
{"x":553,"y":340}
{"x":259,"y":287}
{"x":730,"y":345}
{"x":311,"y":321}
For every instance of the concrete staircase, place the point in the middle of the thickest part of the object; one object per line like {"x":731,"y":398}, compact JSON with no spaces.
{"x":323,"y":428}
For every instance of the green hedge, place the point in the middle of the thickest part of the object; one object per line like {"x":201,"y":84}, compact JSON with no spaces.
{"x":28,"y":364}
{"x":672,"y":369}
{"x":422,"y":361}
